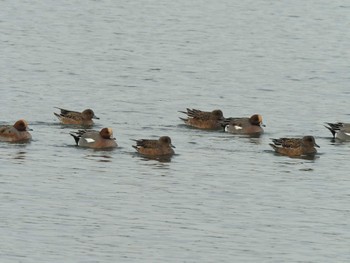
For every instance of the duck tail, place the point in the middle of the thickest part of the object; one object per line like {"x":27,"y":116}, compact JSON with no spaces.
{"x":76,"y":137}
{"x":273,"y":146}
{"x":57,"y":115}
{"x":331,"y":129}
{"x":224,"y":122}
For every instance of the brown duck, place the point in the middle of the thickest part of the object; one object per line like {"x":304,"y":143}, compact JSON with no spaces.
{"x":159,"y":147}
{"x":204,"y":119}
{"x":74,"y":117}
{"x":295,"y":146}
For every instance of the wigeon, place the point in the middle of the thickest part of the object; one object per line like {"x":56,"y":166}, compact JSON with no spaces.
{"x":339,"y":130}
{"x":77,"y":118}
{"x":250,"y":126}
{"x":16,"y":133}
{"x":203,"y":119}
{"x":95,"y":139}
{"x":160,"y":147}
{"x":295,"y":146}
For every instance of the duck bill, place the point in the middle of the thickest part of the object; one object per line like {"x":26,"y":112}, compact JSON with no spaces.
{"x":172,"y":146}
{"x":317,"y":145}
{"x":95,"y":117}
{"x":262,"y":124}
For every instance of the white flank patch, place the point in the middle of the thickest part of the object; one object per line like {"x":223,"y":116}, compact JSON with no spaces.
{"x":226,"y":128}
{"x":238,"y":127}
{"x":346,"y":133}
{"x":89,"y":140}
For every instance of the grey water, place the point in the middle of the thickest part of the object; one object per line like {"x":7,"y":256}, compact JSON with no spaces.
{"x":221,"y":198}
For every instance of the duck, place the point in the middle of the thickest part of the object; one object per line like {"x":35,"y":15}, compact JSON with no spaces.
{"x":295,"y":146}
{"x":339,"y":130}
{"x":74,"y":117}
{"x":208,"y":120}
{"x":19,"y":132}
{"x":95,"y":139}
{"x":249,"y":126}
{"x":152,"y":148}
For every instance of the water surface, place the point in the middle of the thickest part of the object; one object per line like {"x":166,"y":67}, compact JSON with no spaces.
{"x":221,"y":198}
